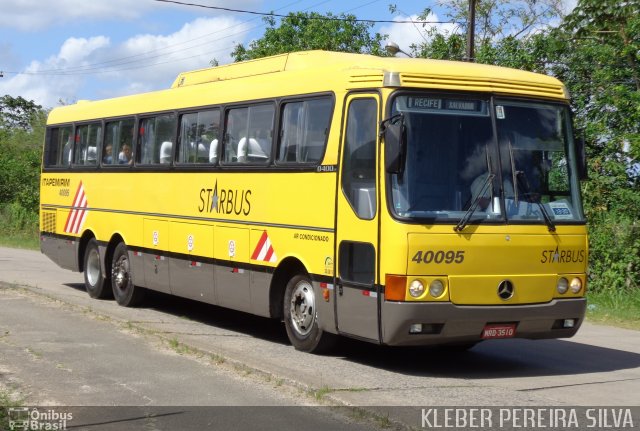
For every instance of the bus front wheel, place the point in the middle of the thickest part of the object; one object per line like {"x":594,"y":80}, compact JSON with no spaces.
{"x":96,"y":284}
{"x":301,"y":317}
{"x":125,"y":292}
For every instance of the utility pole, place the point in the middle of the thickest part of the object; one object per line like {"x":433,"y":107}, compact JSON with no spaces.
{"x":471,"y":30}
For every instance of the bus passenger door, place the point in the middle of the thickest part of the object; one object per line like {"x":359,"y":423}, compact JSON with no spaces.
{"x":357,"y":287}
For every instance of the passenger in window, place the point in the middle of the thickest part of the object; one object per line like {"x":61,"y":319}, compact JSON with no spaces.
{"x":107,"y":156}
{"x":125,"y":155}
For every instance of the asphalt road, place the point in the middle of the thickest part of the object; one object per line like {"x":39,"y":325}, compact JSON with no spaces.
{"x":235,"y":359}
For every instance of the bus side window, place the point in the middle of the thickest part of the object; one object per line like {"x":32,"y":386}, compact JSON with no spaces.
{"x":305,"y":126}
{"x":87,"y":139}
{"x":118,"y":142}
{"x":156,"y":136}
{"x":58,"y":147}
{"x":249,"y":134}
{"x":199,"y":137}
{"x":359,"y":163}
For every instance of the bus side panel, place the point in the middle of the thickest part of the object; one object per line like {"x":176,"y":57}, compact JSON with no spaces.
{"x":260,"y":282}
{"x":190,"y":274}
{"x":61,"y":250}
{"x":232,"y":278}
{"x":156,"y":265}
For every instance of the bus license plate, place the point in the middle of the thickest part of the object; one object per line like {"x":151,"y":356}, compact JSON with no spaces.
{"x":505,"y":330}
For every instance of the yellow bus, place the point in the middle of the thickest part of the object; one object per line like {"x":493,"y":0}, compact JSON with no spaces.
{"x":393,"y":200}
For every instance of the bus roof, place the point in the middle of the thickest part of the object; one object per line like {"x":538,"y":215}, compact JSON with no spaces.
{"x":314,"y":71}
{"x":411,"y":70}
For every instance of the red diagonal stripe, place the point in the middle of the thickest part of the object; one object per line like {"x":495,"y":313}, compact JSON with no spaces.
{"x":261,"y":242}
{"x":72,"y":214}
{"x":76,"y":200}
{"x":80,"y":214}
{"x":78,"y":223}
{"x":267,"y":258}
{"x":66,"y":225}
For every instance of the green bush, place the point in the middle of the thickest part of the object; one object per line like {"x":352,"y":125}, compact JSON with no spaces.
{"x":16,"y":218}
{"x":614,"y":253}
{"x":21,"y":135}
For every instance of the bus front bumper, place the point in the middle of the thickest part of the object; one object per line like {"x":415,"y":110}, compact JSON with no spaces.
{"x":447,"y":323}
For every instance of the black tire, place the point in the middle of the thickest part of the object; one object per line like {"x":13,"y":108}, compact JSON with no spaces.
{"x":98,"y":286}
{"x":301,"y":317}
{"x":125,"y":292}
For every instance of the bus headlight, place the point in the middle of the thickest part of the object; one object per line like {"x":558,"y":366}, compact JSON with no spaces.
{"x":436,"y":288}
{"x":576,"y":285}
{"x":416,"y":288}
{"x":563,"y":285}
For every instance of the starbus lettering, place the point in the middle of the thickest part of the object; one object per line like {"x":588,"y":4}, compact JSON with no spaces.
{"x":225,"y":201}
{"x":562,"y":256}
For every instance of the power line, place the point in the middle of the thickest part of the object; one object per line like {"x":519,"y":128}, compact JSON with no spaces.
{"x":319,"y":17}
{"x":115,"y":64}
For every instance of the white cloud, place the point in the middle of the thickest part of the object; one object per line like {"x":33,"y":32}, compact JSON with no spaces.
{"x":75,"y":51}
{"x":96,"y":68}
{"x":34,"y":15}
{"x":191,"y":47}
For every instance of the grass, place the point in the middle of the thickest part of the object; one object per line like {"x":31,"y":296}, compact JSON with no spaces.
{"x":319,"y":394}
{"x":7,"y":401}
{"x":20,"y":227}
{"x":24,"y":240}
{"x":615,"y":307}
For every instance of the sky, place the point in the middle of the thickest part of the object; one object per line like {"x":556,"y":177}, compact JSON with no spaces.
{"x":62,"y":51}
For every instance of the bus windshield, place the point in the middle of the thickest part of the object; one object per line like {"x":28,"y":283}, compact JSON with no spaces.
{"x":507,"y":160}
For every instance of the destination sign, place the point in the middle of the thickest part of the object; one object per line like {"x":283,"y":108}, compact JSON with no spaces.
{"x":438,"y":104}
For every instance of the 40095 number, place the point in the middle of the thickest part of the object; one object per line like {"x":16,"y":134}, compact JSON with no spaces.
{"x":439,"y":256}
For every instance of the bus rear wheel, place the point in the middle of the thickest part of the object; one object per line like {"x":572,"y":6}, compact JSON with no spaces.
{"x":97,"y":285}
{"x":301,"y":317}
{"x":125,"y":292}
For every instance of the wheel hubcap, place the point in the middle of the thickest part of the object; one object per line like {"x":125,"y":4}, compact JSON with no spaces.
{"x":121,"y":273}
{"x":93,"y":267}
{"x":302,"y":307}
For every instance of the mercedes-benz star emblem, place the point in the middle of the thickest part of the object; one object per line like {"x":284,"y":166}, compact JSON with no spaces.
{"x":505,"y":290}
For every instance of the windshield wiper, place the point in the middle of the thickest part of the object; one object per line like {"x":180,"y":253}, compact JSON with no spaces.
{"x":523,"y":184}
{"x":474,"y":204}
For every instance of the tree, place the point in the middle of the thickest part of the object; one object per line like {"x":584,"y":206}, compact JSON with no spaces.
{"x":501,"y":25}
{"x":597,"y":52}
{"x":22,"y":125}
{"x":16,"y":112}
{"x":310,"y":30}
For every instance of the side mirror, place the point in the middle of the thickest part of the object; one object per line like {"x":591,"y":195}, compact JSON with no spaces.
{"x":581,"y":155}
{"x":395,"y":140}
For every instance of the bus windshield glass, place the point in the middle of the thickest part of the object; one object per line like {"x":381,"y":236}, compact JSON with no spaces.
{"x":485,"y":160}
